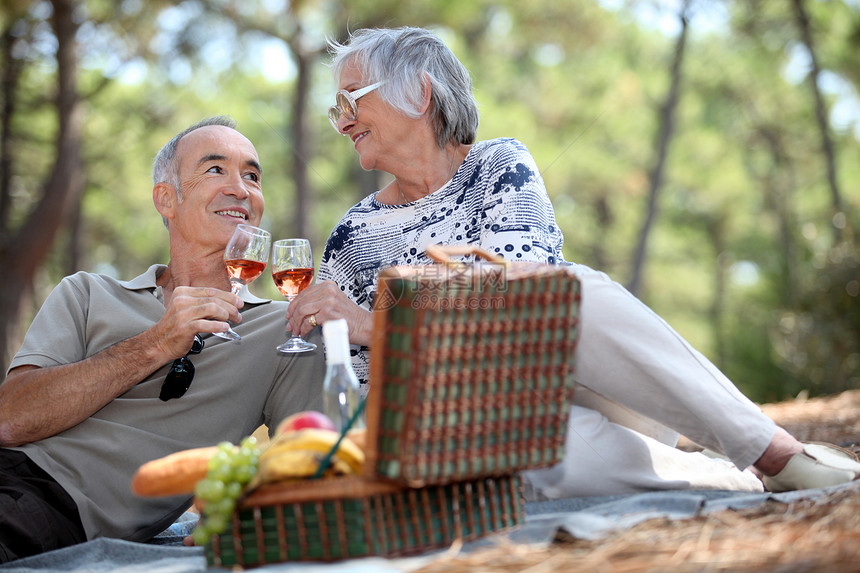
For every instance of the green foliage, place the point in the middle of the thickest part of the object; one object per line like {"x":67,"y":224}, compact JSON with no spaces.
{"x":579,"y":82}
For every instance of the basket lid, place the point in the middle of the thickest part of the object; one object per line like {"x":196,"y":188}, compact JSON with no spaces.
{"x":471,"y":370}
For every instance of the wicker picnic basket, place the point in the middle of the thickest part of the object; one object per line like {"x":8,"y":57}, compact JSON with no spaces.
{"x":471,"y":377}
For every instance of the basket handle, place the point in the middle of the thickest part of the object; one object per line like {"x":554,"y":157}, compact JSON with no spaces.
{"x":443,"y":253}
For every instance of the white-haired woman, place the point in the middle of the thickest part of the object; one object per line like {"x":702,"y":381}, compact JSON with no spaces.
{"x":406,"y":103}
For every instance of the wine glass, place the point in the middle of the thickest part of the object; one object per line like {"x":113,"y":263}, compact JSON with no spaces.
{"x":293,"y":271}
{"x":246,"y":256}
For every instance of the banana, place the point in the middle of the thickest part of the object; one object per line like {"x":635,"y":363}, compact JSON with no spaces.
{"x":340,"y":467}
{"x":287,"y":465}
{"x":316,"y":440}
{"x":359,"y":438}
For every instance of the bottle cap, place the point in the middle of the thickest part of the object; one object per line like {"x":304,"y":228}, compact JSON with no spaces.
{"x":336,"y":338}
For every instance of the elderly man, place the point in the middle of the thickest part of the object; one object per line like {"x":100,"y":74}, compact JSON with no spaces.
{"x":82,"y":404}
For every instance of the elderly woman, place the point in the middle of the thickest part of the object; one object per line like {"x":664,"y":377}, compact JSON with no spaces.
{"x":406,"y":103}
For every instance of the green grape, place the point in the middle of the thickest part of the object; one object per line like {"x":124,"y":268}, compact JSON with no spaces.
{"x":199,"y":535}
{"x":229,"y":471}
{"x":223,"y":473}
{"x":220,"y":458}
{"x":244,"y":474}
{"x":216,"y":523}
{"x":225,"y":506}
{"x":210,"y":489}
{"x":234,"y":490}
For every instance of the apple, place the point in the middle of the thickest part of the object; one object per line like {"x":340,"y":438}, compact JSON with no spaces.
{"x":306,"y":419}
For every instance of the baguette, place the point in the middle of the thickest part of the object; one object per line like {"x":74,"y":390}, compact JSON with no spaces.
{"x":176,"y":474}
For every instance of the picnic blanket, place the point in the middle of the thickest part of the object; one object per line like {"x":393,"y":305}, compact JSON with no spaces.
{"x":584,"y":518}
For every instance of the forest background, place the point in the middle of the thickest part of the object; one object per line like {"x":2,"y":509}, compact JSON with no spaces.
{"x":704,"y":153}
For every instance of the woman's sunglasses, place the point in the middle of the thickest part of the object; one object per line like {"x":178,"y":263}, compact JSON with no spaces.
{"x":178,"y":380}
{"x":346,"y":105}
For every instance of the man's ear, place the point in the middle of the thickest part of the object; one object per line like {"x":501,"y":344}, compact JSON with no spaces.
{"x":427,"y":89}
{"x":164,"y":197}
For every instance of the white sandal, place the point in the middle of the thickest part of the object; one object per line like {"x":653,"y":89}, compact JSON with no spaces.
{"x":819,"y":465}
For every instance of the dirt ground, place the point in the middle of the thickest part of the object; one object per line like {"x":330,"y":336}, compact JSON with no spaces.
{"x":834,"y":419}
{"x":820,"y":535}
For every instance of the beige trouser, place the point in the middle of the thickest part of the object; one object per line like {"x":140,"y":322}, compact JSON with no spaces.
{"x":639,"y":385}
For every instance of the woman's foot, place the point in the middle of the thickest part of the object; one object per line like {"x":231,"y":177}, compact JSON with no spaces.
{"x":789,"y":465}
{"x":782,"y":448}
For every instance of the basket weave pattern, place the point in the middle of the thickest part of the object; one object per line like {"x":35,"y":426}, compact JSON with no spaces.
{"x":472,"y":380}
{"x":475,"y":389}
{"x":391,"y":524}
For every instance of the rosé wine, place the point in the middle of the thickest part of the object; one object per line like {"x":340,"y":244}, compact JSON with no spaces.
{"x":244,"y":270}
{"x":293,"y":281}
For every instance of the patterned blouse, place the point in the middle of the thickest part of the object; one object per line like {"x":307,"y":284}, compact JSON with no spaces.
{"x":496,"y":200}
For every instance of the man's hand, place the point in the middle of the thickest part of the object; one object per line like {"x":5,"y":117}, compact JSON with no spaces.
{"x":193,"y":310}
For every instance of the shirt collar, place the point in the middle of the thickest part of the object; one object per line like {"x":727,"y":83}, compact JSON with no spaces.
{"x":148,"y":281}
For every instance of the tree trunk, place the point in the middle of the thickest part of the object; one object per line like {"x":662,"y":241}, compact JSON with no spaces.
{"x":11,"y":74}
{"x":665,"y":133}
{"x":368,"y":181}
{"x":604,"y":217}
{"x":778,"y":186}
{"x":300,"y":137}
{"x":29,"y":246}
{"x":802,"y":20}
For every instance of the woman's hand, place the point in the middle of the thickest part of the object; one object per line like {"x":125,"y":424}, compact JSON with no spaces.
{"x":325,"y":301}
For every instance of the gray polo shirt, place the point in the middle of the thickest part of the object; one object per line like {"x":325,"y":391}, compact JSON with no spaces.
{"x":236,"y":387}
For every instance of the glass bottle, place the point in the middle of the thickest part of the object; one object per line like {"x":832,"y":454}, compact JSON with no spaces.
{"x":341,"y":395}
